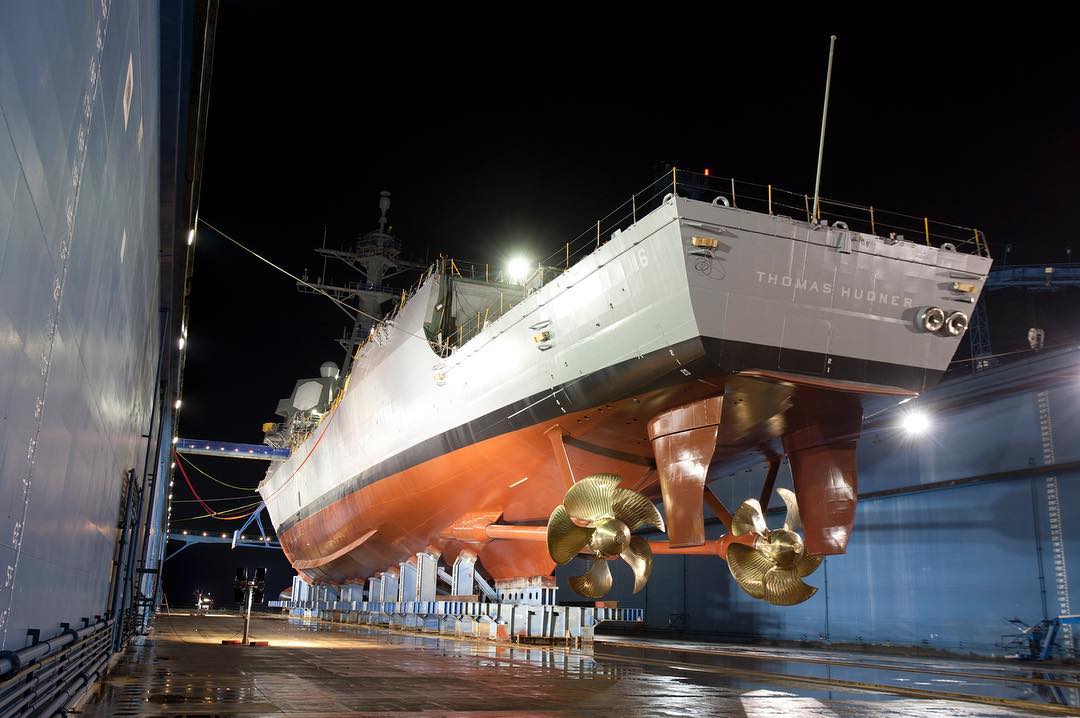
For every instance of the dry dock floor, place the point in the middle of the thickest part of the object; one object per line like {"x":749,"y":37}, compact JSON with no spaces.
{"x":324,"y":669}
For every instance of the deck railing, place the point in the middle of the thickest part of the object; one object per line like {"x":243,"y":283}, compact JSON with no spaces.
{"x":769,"y":199}
{"x":738,"y":194}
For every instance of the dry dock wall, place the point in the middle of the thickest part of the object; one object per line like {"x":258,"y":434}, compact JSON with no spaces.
{"x":956,"y":532}
{"x":79,"y":326}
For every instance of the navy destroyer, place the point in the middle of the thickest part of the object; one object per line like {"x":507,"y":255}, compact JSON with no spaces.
{"x":694,"y":331}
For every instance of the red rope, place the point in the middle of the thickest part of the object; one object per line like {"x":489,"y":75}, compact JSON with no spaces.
{"x":220,"y":515}
{"x":311,"y":451}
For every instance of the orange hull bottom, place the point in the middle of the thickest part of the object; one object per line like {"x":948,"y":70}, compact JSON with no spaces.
{"x":514,"y":477}
{"x":520,"y":476}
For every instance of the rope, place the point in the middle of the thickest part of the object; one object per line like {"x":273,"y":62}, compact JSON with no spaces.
{"x":325,"y":425}
{"x":348,"y":309}
{"x":351,"y":311}
{"x":216,"y":481}
{"x":231,"y":498}
{"x":220,"y":515}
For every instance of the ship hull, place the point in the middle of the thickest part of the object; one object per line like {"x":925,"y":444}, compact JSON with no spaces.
{"x":492,"y":468}
{"x":645,"y":324}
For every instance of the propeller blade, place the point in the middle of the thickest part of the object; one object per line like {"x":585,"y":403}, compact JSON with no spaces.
{"x":792,"y":522}
{"x":596,"y":582}
{"x":592,"y":497}
{"x":635,"y":510}
{"x":783,"y":587}
{"x":748,"y":567}
{"x":639,"y":556}
{"x":565,"y":538}
{"x":807,"y":564}
{"x":748,"y":519}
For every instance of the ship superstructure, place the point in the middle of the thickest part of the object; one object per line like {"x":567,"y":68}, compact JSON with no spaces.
{"x":686,"y":332}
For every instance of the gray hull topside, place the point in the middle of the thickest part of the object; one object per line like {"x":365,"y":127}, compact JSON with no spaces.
{"x":825,"y":294}
{"x":777,"y":294}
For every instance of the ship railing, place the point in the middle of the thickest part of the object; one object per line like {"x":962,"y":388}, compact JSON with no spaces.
{"x":739,"y":194}
{"x":868,"y":219}
{"x":772,"y":200}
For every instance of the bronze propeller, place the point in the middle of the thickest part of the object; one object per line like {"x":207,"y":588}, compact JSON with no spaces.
{"x":774,"y":567}
{"x":598,"y":515}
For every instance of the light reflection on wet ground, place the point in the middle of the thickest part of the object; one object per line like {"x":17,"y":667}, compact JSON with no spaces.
{"x":320,"y":669}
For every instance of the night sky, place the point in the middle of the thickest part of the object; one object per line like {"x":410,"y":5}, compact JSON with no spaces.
{"x":499,"y":149}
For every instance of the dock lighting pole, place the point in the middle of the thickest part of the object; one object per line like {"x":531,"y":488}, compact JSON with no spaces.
{"x":821,"y":142}
{"x":245,"y":588}
{"x":247,"y":614}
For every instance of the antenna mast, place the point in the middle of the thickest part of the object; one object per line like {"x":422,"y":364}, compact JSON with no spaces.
{"x":821,"y":143}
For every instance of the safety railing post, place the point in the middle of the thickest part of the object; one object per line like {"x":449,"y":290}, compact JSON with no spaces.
{"x":733,"y":202}
{"x":633,"y":206}
{"x":926,"y":225}
{"x":873,"y":228}
{"x":770,"y":199}
{"x":674,"y":181}
{"x":598,"y":234}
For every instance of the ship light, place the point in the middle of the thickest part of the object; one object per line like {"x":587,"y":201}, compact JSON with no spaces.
{"x":175,"y":439}
{"x":915,"y":422}
{"x":177,"y":404}
{"x":966,"y":287}
{"x":181,"y":342}
{"x":517,"y":269}
{"x":191,"y":236}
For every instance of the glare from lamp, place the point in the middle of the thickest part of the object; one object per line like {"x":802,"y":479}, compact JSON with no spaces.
{"x":177,"y":404}
{"x":915,"y":422}
{"x":191,"y":236}
{"x":181,"y":342}
{"x":517,"y":269}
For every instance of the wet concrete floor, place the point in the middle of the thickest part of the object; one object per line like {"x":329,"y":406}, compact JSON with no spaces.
{"x":323,"y":669}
